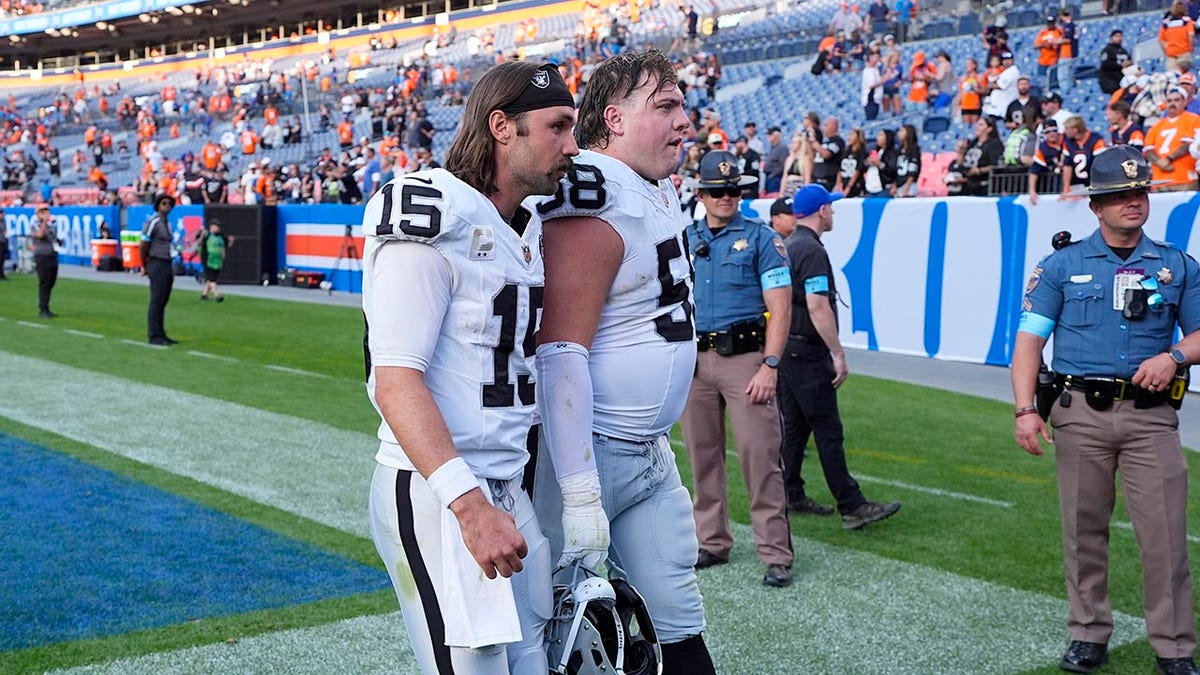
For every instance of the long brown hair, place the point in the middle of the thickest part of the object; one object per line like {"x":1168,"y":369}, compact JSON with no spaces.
{"x":613,"y":81}
{"x":471,"y":156}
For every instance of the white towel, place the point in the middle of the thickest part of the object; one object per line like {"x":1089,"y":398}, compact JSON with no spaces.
{"x":478,"y":612}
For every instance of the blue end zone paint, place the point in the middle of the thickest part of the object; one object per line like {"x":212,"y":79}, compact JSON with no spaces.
{"x":935,"y":272}
{"x":858,"y":271}
{"x":87,"y":553}
{"x":1014,"y":227}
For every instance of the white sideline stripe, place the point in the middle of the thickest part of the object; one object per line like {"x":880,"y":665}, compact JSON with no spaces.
{"x":936,"y":491}
{"x":1129,"y":526}
{"x":206,"y":355}
{"x":300,"y":466}
{"x":295,"y":371}
{"x":918,"y":621}
{"x":30,"y":324}
{"x":147,"y":345}
{"x":83,"y":333}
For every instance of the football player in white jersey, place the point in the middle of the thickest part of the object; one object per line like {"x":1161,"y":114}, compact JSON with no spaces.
{"x":452,"y":287}
{"x":617,"y":348}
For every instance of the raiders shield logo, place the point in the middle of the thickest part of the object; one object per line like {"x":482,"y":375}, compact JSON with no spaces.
{"x":541,"y":79}
{"x":1130,"y":167}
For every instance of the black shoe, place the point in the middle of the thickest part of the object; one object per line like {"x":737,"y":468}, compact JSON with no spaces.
{"x":220,"y":298}
{"x":778,"y":576}
{"x":47,"y":314}
{"x":159,"y":342}
{"x":171,"y":341}
{"x":1084,"y":657}
{"x":1176,"y":666}
{"x":203,"y":296}
{"x":869,"y":512}
{"x":810,"y":507}
{"x":708,"y":559}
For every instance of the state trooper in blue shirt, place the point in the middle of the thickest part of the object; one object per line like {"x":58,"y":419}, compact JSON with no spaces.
{"x":741,"y":273}
{"x":1112,"y":302}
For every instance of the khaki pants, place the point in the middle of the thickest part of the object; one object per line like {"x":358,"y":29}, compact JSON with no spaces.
{"x":1090,"y":447}
{"x":720,"y":385}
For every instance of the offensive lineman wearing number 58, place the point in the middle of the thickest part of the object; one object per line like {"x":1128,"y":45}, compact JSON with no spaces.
{"x":452,"y":288}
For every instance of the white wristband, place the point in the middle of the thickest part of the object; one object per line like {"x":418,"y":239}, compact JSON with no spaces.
{"x":451,"y":481}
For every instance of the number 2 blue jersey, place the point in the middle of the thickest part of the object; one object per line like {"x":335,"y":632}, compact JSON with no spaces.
{"x":644,"y":353}
{"x":481,"y":372}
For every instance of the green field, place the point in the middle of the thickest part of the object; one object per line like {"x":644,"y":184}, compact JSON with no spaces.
{"x":966,"y":578}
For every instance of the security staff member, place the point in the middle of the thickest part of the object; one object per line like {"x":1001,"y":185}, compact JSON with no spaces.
{"x":3,"y":246}
{"x":156,"y":256}
{"x":741,"y":272}
{"x":814,"y":366}
{"x":45,"y":259}
{"x":1112,"y":302}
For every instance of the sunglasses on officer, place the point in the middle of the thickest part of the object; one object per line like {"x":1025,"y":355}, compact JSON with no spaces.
{"x":1123,"y":196}
{"x":721,"y":193}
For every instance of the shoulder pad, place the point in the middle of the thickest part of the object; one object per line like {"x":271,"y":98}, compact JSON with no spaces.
{"x":413,"y":207}
{"x":582,"y":192}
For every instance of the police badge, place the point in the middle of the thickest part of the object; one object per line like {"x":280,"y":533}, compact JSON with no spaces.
{"x":1164,"y":276}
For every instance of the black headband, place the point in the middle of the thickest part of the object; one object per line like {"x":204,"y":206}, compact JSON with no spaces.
{"x":546,"y":89}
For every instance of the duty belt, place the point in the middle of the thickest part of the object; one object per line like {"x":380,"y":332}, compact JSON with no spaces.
{"x":1100,"y":392}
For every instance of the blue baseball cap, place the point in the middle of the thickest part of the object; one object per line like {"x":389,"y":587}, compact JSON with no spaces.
{"x":810,"y":198}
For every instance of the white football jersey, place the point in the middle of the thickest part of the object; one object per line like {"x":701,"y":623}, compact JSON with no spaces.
{"x":644,"y":354}
{"x":481,"y":371}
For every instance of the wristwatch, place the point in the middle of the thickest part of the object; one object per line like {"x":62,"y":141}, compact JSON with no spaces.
{"x":1178,"y":357}
{"x":771,"y":361}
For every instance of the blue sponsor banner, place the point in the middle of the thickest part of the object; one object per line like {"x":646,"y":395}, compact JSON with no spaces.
{"x":75,"y":226}
{"x":87,"y":14}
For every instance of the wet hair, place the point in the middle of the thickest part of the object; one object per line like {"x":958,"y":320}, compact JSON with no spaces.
{"x":613,"y":81}
{"x":471,"y":156}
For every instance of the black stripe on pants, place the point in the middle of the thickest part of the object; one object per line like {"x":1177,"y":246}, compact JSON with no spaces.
{"x":416,"y":563}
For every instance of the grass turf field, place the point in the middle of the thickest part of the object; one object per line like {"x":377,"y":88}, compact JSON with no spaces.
{"x":966,"y":578}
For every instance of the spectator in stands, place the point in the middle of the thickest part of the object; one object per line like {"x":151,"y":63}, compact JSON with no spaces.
{"x":827,"y":154}
{"x":1167,"y":145}
{"x":216,"y":188}
{"x":1021,"y":145}
{"x":1187,"y":82}
{"x":1047,"y":43}
{"x":98,"y":178}
{"x":968,"y":104}
{"x":919,"y":76}
{"x":985,"y":152}
{"x":1080,"y":146}
{"x":1177,"y":36}
{"x":877,"y":15}
{"x":1113,"y":59}
{"x":54,"y":162}
{"x":905,"y":11}
{"x":872,"y":87}
{"x":1052,"y":110}
{"x":908,"y":162}
{"x":995,"y":41}
{"x":750,"y":131}
{"x":1152,"y":99}
{"x":955,"y":178}
{"x":1068,"y":49}
{"x":774,"y":164}
{"x":854,"y":162}
{"x":1123,"y":129}
{"x":844,"y":20}
{"x":892,"y":75}
{"x":1003,"y":90}
{"x":880,"y":174}
{"x":1046,"y":168}
{"x":797,"y":168}
{"x":749,"y":164}
{"x":942,"y":85}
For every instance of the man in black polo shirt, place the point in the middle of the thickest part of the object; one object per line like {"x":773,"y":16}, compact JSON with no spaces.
{"x":814,"y":366}
{"x":156,"y":264}
{"x":827,"y":160}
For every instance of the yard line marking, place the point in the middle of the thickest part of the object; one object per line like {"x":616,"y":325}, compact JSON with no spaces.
{"x":30,"y":324}
{"x":147,"y":345}
{"x":936,"y":491}
{"x":295,"y":371}
{"x":83,"y":333}
{"x":206,"y":355}
{"x":1129,"y":526}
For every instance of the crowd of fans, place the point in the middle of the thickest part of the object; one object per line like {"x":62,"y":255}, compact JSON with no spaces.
{"x":1023,"y":139}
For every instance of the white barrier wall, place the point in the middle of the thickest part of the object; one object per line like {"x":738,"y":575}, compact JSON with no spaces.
{"x":944,"y":278}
